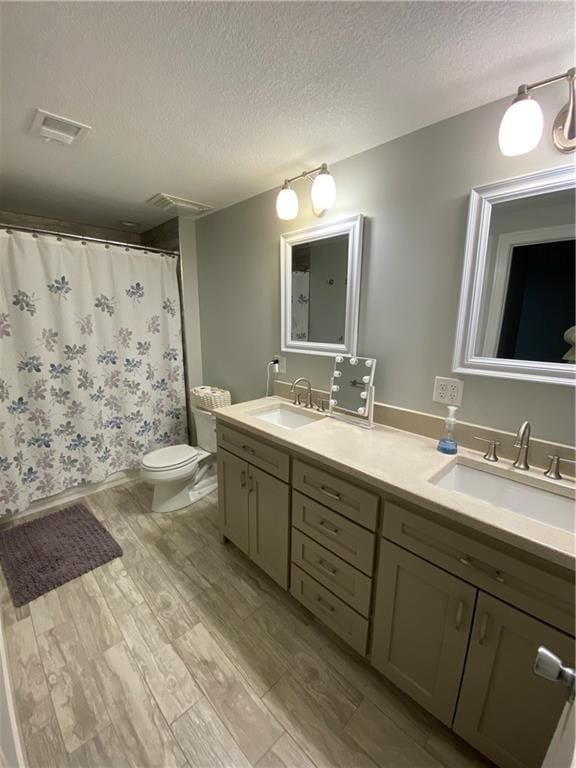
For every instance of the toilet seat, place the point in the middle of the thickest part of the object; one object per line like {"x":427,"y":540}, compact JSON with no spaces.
{"x":171,"y":457}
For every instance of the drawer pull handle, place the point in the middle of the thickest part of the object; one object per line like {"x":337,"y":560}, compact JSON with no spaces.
{"x":243,"y":479}
{"x":329,"y":527}
{"x":326,"y":606}
{"x":500,"y":577}
{"x":459,"y":615}
{"x":483,"y":636}
{"x":328,"y":492}
{"x":326,"y":566}
{"x":465,"y":560}
{"x":249,"y":450}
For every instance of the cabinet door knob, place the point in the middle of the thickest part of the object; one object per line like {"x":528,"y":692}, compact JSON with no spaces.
{"x":326,"y":566}
{"x":459,"y":615}
{"x":325,"y":605}
{"x":329,"y":527}
{"x":483,"y":635}
{"x":333,"y":494}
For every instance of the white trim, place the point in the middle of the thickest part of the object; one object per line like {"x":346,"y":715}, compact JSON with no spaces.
{"x":10,"y":744}
{"x":351,"y":226}
{"x":476,"y":251}
{"x":125,"y":477}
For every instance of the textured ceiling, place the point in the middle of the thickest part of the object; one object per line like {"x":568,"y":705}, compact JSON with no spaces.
{"x":219,"y":101}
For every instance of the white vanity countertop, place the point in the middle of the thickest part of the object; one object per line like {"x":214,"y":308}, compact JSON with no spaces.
{"x":401,"y":463}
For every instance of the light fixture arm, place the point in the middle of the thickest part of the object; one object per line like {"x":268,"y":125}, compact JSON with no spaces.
{"x":307,"y":174}
{"x":568,"y":75}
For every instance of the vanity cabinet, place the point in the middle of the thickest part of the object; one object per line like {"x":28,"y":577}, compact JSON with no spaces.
{"x":255,"y":514}
{"x":448,"y":614}
{"x":233,"y":499}
{"x":422,"y":622}
{"x":504,"y":709}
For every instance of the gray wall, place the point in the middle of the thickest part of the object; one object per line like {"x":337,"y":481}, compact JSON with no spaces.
{"x":414,"y":193}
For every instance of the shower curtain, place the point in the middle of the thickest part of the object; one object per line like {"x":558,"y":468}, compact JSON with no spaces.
{"x":91,"y":369}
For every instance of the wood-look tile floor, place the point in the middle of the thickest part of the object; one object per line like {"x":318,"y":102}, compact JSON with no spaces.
{"x":183,"y":654}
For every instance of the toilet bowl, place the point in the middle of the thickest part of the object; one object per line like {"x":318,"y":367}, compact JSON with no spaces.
{"x":182,"y":474}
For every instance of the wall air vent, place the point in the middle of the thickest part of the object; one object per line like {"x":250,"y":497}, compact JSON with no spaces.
{"x":55,"y":128}
{"x":178,"y":205}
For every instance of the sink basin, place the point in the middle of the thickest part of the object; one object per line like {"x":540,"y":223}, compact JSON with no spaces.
{"x":284,"y":416}
{"x":550,"y":507}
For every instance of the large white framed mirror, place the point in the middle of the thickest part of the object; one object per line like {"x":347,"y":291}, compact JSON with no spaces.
{"x":320,"y":287}
{"x":517,"y":315}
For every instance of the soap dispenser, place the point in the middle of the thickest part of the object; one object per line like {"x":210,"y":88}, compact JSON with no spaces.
{"x":447,"y":443}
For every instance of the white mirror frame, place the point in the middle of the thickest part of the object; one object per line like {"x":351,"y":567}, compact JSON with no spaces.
{"x":469,"y":313}
{"x":352,"y":227}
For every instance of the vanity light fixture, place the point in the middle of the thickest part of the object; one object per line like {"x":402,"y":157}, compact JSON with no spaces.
{"x":521,"y":127}
{"x":322,"y":194}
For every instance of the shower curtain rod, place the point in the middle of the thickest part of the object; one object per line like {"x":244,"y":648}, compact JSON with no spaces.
{"x":69,"y":236}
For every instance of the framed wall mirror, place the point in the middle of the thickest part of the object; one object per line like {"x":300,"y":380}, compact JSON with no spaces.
{"x":517,"y":315}
{"x":320,"y":284}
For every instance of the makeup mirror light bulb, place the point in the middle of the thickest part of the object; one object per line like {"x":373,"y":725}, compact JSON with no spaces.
{"x":353,"y":361}
{"x":366,"y":379}
{"x":335,"y":388}
{"x":323,"y":192}
{"x":361,"y":411}
{"x":287,"y":203}
{"x":368,"y":363}
{"x":521,"y":127}
{"x":339,"y":359}
{"x":333,"y":402}
{"x":363,"y":395}
{"x":337,"y":373}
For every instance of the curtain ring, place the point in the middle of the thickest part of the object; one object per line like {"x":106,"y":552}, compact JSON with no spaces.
{"x":106,"y":245}
{"x":35,"y":235}
{"x":8,"y":231}
{"x":59,"y":239}
{"x":83,"y":242}
{"x":126,"y":249}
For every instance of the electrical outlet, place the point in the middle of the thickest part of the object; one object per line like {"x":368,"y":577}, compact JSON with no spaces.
{"x":448,"y":391}
{"x":281,"y":363}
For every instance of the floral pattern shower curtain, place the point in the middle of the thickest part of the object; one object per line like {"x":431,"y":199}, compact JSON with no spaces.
{"x":91,"y":370}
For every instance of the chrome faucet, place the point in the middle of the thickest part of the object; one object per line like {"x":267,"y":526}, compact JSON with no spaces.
{"x":296,"y":400}
{"x":522,"y":442}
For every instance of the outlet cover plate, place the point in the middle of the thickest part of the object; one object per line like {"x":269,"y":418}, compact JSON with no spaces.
{"x":448,"y":391}
{"x":281,"y":363}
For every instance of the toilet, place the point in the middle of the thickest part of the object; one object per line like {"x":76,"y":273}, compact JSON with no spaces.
{"x":182,"y":474}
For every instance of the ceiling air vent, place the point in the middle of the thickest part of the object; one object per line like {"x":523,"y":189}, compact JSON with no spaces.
{"x":178,"y":204}
{"x":55,"y":128}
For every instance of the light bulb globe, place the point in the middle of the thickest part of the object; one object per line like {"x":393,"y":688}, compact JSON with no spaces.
{"x":287,"y":204}
{"x":521,"y":127}
{"x":323,"y":192}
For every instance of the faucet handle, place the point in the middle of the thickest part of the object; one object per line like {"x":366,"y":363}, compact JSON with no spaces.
{"x":553,"y":471}
{"x":490,"y":454}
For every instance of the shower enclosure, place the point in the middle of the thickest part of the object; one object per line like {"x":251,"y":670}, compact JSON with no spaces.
{"x":91,"y":365}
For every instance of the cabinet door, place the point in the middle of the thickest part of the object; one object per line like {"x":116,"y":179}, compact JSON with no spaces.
{"x":505,"y":710}
{"x":233,"y":499}
{"x":269,"y":514}
{"x":422,"y":624}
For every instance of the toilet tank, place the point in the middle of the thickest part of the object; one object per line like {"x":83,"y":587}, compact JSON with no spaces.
{"x":205,"y":429}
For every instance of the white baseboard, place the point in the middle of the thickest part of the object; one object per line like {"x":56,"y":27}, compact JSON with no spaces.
{"x":125,"y":477}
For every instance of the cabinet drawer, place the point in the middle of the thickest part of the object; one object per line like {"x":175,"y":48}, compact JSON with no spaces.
{"x":346,"y":539}
{"x":257,"y":453}
{"x":346,"y":582}
{"x":333,"y":612}
{"x":534,"y":590}
{"x":356,"y":503}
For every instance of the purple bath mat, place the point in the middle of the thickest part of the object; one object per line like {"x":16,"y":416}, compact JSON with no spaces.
{"x":43,"y":554}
